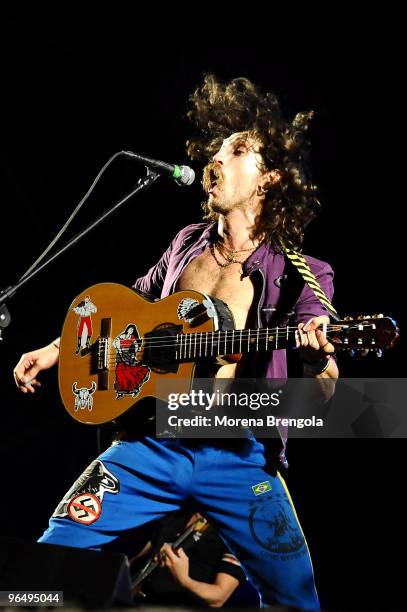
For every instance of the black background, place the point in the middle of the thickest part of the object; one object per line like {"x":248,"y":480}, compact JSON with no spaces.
{"x":78,"y":87}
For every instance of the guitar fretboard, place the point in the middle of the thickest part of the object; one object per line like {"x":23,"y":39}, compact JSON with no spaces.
{"x":210,"y":344}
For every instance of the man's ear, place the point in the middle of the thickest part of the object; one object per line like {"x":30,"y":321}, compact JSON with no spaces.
{"x":271,"y":178}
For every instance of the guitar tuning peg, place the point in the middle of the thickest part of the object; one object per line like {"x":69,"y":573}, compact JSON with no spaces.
{"x":379,"y":353}
{"x":351,"y":352}
{"x":378,"y":316}
{"x":364,"y":352}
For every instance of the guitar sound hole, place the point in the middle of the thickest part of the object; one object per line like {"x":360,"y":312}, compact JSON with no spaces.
{"x":160,"y":348}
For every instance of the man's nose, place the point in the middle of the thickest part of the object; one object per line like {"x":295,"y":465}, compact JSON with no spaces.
{"x":218,"y":158}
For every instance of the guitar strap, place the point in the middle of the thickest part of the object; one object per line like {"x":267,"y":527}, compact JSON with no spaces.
{"x":299,"y":262}
{"x":306,"y":274}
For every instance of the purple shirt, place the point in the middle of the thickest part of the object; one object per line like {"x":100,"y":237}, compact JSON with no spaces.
{"x":266,"y":266}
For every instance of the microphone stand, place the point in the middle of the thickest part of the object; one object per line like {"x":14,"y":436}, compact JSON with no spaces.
{"x":10,"y":291}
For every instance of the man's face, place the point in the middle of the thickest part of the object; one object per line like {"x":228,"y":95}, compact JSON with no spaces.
{"x":233,"y":178}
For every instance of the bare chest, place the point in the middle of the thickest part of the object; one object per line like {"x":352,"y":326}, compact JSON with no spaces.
{"x":205,"y":275}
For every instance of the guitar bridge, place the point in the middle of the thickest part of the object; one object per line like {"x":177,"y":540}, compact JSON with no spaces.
{"x":103,"y":349}
{"x":103,"y":354}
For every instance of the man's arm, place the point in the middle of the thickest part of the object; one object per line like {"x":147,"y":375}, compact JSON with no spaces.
{"x":316,"y":353}
{"x":32,"y":363}
{"x":314,"y":348}
{"x":214,"y":595}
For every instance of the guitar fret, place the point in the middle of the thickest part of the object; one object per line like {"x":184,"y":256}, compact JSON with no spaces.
{"x":233,"y":340}
{"x":257,"y":339}
{"x":276,"y":337}
{"x":190,"y":346}
{"x":267,"y":338}
{"x":218,"y":342}
{"x":195,"y":339}
{"x":200,"y":344}
{"x":176,"y":349}
{"x":212,"y":344}
{"x":240,"y":342}
{"x":226,"y":335}
{"x":206,"y":343}
{"x":248,"y":341}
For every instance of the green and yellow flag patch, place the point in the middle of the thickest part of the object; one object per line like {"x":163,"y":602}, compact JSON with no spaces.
{"x":262,"y":487}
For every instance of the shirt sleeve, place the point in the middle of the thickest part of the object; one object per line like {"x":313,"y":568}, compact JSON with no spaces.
{"x":308,"y":305}
{"x":152,"y":282}
{"x":230,"y":564}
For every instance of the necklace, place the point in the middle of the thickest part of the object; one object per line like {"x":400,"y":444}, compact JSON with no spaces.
{"x":229,"y":255}
{"x":234,"y":251}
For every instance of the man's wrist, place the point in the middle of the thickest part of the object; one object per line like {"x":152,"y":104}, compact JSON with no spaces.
{"x":317,"y":367}
{"x":186,"y":582}
{"x":56,"y":343}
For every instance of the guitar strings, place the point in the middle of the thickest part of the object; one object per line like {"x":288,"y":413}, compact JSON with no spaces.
{"x":228,"y":335}
{"x":249,"y":333}
{"x":218,"y":338}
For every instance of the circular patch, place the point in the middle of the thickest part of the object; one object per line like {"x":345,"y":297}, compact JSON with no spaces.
{"x":85,"y":508}
{"x":274,"y":527}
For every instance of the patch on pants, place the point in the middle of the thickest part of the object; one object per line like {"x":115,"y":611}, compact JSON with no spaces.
{"x":95,"y":481}
{"x":273,"y":525}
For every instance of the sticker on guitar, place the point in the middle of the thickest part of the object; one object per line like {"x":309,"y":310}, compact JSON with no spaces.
{"x":130,"y":374}
{"x":84,"y":309}
{"x":83,"y":396}
{"x":184,"y":308}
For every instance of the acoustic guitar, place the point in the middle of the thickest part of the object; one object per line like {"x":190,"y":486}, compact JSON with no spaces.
{"x":115,"y":345}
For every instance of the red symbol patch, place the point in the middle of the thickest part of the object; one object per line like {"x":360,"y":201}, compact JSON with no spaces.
{"x":85,"y":508}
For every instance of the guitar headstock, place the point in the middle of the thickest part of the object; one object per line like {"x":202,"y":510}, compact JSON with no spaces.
{"x":364,"y":333}
{"x":200,"y":525}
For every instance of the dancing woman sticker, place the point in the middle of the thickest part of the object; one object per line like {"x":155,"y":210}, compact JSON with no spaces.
{"x":131,"y":374}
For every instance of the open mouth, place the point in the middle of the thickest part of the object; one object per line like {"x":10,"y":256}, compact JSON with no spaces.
{"x":212,"y":179}
{"x":214,"y":176}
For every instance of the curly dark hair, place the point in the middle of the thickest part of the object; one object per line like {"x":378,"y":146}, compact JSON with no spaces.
{"x":219,"y":109}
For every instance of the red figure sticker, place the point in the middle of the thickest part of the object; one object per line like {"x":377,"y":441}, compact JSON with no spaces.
{"x":131,"y":374}
{"x":84,"y":309}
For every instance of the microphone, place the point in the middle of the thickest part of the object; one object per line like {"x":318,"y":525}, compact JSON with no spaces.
{"x":183,"y":175}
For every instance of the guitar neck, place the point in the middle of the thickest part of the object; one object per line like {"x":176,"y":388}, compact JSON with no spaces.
{"x":229,"y":342}
{"x":203,"y":524}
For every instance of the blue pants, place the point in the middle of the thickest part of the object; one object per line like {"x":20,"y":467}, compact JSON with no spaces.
{"x":136,"y":482}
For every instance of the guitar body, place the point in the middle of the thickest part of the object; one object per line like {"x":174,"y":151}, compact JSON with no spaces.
{"x":107,"y":364}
